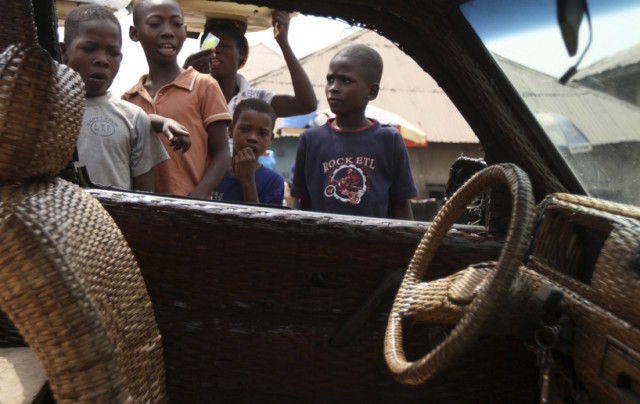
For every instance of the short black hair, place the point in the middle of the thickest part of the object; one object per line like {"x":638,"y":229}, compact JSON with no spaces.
{"x":255,"y":104}
{"x":235,"y":29}
{"x":366,"y":57}
{"x":137,"y":10}
{"x":83,"y":13}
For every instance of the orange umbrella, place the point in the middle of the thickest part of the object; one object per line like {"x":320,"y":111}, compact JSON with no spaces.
{"x":412,"y":135}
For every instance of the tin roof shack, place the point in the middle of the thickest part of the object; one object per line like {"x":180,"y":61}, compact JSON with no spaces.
{"x":618,"y":75}
{"x":408,"y":91}
{"x":590,"y":134}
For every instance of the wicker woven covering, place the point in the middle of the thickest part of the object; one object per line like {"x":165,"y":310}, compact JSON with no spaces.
{"x":16,"y":24}
{"x":72,"y":287}
{"x":436,"y":301}
{"x":68,"y":280}
{"x":40,"y":118}
{"x":600,"y":295}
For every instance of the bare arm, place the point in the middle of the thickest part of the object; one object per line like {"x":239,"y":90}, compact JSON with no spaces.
{"x":176,"y":133}
{"x":401,"y":209}
{"x":144,"y":182}
{"x":244,"y":168}
{"x":218,"y":146}
{"x":304,"y":99}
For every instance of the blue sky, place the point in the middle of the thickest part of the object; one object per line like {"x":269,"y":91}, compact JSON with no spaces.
{"x":542,"y":48}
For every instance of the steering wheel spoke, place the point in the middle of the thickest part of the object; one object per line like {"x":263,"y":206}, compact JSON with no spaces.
{"x":428,"y":302}
{"x":470,"y":298}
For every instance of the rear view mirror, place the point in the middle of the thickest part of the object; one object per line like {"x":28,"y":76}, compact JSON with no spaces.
{"x":570,"y":14}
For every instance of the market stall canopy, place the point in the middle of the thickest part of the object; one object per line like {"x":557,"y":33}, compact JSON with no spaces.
{"x":196,"y":12}
{"x":564,"y":133}
{"x":64,"y":6}
{"x":413,"y":136}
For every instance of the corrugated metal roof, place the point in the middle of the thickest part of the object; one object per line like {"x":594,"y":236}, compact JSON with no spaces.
{"x":410,"y":92}
{"x":627,"y":57}
{"x":602,"y":118}
{"x":405,"y":88}
{"x":262,"y":60}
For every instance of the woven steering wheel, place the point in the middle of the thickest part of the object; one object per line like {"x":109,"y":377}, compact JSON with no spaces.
{"x":487,"y":298}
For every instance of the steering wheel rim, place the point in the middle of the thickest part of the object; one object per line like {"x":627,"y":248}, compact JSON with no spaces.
{"x":479,"y":312}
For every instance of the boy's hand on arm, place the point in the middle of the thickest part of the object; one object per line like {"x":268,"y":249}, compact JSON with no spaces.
{"x":218,"y":148}
{"x":245,"y":164}
{"x":177,"y":134}
{"x":200,"y":61}
{"x":401,"y":209}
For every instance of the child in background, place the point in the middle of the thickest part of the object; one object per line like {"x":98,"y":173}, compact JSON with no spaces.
{"x":231,"y":55}
{"x":268,"y":160}
{"x":189,"y":97}
{"x":289,"y":201}
{"x":351,"y":164}
{"x":247,"y":180}
{"x":116,"y":143}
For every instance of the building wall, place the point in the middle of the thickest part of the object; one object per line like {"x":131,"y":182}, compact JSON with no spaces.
{"x":284,"y":149}
{"x":430,"y":165}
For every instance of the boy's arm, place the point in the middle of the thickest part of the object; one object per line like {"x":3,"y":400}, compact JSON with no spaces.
{"x":304,"y":99}
{"x":177,"y":134}
{"x":144,"y":182}
{"x":218,"y":145}
{"x":401,"y":209}
{"x":299,"y":188}
{"x":244,"y":168}
{"x":403,"y":188}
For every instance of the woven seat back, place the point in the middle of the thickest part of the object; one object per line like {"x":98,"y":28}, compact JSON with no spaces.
{"x":68,"y":279}
{"x":70,"y":284}
{"x":41,"y":105}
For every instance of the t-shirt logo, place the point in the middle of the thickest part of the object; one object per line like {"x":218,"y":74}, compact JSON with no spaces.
{"x":347,"y":183}
{"x":102,"y":126}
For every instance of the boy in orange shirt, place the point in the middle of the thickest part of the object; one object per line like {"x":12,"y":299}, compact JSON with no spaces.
{"x":118,"y":143}
{"x":191,"y":98}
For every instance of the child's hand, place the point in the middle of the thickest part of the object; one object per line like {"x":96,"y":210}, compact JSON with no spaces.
{"x":245,"y":164}
{"x":280,"y":21}
{"x":201,"y":61}
{"x":177,"y":134}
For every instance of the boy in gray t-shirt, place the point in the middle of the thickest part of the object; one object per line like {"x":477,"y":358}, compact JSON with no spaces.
{"x":118,"y":142}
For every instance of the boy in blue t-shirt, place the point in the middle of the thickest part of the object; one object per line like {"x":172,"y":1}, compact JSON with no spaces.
{"x":247,"y":180}
{"x":353,"y":165}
